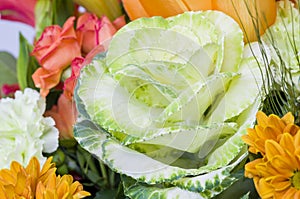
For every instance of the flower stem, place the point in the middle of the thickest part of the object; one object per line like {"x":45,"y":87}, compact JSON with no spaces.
{"x":103,"y":171}
{"x":112,"y":179}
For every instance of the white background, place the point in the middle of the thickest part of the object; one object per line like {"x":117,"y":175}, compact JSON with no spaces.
{"x":9,"y":35}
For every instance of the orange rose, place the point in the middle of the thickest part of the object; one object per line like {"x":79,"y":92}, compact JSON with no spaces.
{"x":92,"y":31}
{"x":54,"y":51}
{"x":64,"y":114}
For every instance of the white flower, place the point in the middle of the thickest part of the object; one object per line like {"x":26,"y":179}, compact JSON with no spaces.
{"x":24,"y":132}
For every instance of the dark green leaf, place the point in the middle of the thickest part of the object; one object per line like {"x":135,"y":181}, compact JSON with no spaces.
{"x":94,"y":177}
{"x":8,"y":73}
{"x":106,"y":194}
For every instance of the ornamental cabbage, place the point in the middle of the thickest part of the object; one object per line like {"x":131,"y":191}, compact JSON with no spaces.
{"x":167,"y":104}
{"x":24,"y":131}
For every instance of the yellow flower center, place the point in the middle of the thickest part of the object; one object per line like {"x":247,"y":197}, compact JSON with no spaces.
{"x":296,"y":180}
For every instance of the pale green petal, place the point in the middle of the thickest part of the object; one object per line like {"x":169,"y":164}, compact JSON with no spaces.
{"x":24,"y":131}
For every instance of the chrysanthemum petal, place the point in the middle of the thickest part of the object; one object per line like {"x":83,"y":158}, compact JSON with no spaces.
{"x":40,"y":190}
{"x":81,"y":194}
{"x":276,"y":122}
{"x":288,"y":118}
{"x":290,"y":193}
{"x":297,"y":194}
{"x":297,"y":140}
{"x":21,"y":183}
{"x":291,"y":128}
{"x":273,"y":149}
{"x":262,"y":119}
{"x":7,"y":176}
{"x":280,"y":183}
{"x":265,"y":190}
{"x":287,"y":142}
{"x":271,"y":132}
{"x":250,"y":168}
{"x":63,"y":189}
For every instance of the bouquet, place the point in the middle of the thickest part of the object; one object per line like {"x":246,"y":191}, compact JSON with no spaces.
{"x":152,"y":99}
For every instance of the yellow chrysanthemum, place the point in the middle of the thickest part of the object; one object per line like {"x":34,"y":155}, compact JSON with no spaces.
{"x":277,"y":174}
{"x":31,"y":182}
{"x":268,"y":128}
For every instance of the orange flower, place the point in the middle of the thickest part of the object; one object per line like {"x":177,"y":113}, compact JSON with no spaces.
{"x":31,"y":182}
{"x":277,"y":174}
{"x":92,"y":31}
{"x":64,"y":114}
{"x":268,"y":128}
{"x":244,"y":12}
{"x":55,"y":50}
{"x":165,"y":8}
{"x":266,"y":11}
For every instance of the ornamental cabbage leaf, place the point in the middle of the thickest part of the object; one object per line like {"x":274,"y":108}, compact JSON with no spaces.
{"x":167,"y":104}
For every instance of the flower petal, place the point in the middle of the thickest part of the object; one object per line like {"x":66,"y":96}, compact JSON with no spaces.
{"x":273,"y":149}
{"x":265,"y":190}
{"x":262,"y":119}
{"x":288,"y":118}
{"x":164,"y":8}
{"x":15,"y":10}
{"x":45,"y":80}
{"x":287,"y":142}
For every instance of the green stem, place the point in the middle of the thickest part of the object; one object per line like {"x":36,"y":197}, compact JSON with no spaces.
{"x":103,"y":171}
{"x":112,"y":179}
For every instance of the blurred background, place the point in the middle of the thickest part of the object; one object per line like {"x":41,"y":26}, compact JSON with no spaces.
{"x":9,"y":35}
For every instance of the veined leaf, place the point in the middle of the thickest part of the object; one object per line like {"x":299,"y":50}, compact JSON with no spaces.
{"x":171,"y":100}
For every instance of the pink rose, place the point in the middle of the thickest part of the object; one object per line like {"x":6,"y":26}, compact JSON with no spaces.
{"x":77,"y":64}
{"x":16,"y":10}
{"x":70,"y":83}
{"x":92,"y":31}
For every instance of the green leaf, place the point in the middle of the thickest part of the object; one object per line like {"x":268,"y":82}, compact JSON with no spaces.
{"x":54,"y":12}
{"x":8,"y":73}
{"x":135,"y":190}
{"x":212,"y":183}
{"x":90,"y":137}
{"x":43,"y":16}
{"x":245,"y":89}
{"x":110,"y":8}
{"x":233,"y":146}
{"x":233,"y":40}
{"x":243,"y":188}
{"x":106,"y":194}
{"x":62,"y":10}
{"x":26,"y":64}
{"x":194,"y":139}
{"x":187,"y":107}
